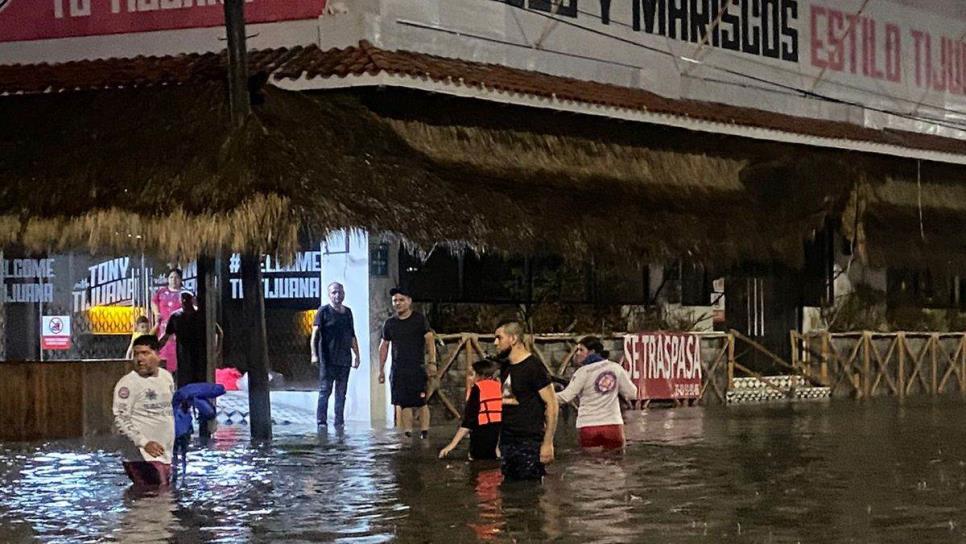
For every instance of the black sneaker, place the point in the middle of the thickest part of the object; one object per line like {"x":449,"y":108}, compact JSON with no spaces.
{"x":423,"y":435}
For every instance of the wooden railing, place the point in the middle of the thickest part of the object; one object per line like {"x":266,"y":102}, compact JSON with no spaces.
{"x":556,"y":351}
{"x":868,"y":364}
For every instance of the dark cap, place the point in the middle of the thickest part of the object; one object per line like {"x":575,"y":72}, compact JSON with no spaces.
{"x":400,"y":291}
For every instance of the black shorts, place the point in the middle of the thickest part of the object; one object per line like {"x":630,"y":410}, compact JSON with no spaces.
{"x":521,"y":458}
{"x":484,"y":440}
{"x":408,"y":386}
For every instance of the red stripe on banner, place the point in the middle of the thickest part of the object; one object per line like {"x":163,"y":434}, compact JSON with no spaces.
{"x":22,"y":20}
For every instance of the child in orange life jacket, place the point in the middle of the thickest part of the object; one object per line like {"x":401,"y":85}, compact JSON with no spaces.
{"x":482,"y":415}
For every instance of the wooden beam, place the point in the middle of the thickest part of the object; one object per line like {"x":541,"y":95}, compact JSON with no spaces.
{"x":441,"y":371}
{"x":781,"y":362}
{"x":449,"y":405}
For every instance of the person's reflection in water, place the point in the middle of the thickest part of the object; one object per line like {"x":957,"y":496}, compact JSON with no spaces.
{"x":532,"y":513}
{"x":149,"y":516}
{"x":605,"y":507}
{"x":491,"y":523}
{"x":551,"y":510}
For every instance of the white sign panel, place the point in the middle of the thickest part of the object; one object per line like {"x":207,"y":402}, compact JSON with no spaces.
{"x":878,"y":63}
{"x":55,"y":332}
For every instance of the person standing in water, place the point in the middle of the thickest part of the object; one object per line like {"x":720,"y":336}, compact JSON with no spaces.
{"x":409,"y":336}
{"x":143,"y":413}
{"x":482,"y":414}
{"x":335,"y":350}
{"x":596,"y":385}
{"x":529,"y":408}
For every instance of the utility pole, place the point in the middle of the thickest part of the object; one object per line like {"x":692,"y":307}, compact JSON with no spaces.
{"x":208,"y":298}
{"x":253,"y":303}
{"x":238,"y":99}
{"x":253,"y":308}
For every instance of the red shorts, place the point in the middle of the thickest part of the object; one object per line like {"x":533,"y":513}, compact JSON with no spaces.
{"x":609,"y":437}
{"x":148,"y":473}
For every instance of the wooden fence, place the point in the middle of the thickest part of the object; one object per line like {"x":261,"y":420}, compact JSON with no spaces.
{"x":556,"y":351}
{"x":63,"y":399}
{"x":868,"y":364}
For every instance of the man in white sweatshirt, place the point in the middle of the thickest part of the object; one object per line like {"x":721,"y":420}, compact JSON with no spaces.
{"x":597,"y":384}
{"x":143,"y":414}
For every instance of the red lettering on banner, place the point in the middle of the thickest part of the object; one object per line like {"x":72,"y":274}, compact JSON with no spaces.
{"x":946,"y":72}
{"x":836,"y":26}
{"x":848,"y":42}
{"x":818,"y":47}
{"x":23,"y":20}
{"x":918,"y":46}
{"x":664,"y":365}
{"x":893,"y":53}
{"x":954,"y":67}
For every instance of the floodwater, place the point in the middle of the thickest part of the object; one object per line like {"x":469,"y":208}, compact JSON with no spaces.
{"x":819,"y":471}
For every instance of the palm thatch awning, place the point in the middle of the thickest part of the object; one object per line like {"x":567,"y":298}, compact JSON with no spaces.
{"x":625,"y":190}
{"x":157,"y":169}
{"x":136,"y":154}
{"x":912,"y":223}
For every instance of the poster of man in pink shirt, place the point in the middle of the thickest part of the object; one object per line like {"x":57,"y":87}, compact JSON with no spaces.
{"x":165,"y":301}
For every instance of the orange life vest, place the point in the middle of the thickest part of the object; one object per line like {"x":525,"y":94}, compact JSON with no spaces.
{"x":491,"y":401}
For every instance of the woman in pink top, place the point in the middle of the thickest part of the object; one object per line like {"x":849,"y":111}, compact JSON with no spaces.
{"x":165,"y":302}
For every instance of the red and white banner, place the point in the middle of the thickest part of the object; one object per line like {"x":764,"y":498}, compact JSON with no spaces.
{"x":903,"y":60}
{"x":664,"y":365}
{"x":55,"y":331}
{"x":50,"y":19}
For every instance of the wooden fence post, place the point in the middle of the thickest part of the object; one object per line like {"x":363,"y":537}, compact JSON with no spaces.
{"x":962,"y":363}
{"x":901,"y":346}
{"x":471,"y":339}
{"x":823,"y":369}
{"x":731,"y":363}
{"x":866,"y":365}
{"x":934,"y":352}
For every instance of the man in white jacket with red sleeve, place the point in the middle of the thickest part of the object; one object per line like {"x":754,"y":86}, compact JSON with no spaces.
{"x":597,"y":384}
{"x":143,"y":413}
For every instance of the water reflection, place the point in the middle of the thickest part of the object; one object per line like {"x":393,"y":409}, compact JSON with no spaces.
{"x":148,"y":517}
{"x":839,"y":472}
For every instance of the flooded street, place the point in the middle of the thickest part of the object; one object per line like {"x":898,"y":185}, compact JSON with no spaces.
{"x":808,"y":472}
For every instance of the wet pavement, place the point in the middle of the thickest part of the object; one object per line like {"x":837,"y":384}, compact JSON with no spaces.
{"x":815,"y":471}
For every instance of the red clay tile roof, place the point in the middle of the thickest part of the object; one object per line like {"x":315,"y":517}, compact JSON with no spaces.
{"x":310,"y":62}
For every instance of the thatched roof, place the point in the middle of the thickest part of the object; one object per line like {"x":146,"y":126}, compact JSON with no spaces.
{"x":626,"y":190}
{"x":136,"y":154}
{"x":155,"y":169}
{"x":915,"y":223}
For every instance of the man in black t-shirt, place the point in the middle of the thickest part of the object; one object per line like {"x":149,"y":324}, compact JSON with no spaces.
{"x":529,"y":408}
{"x":410,"y":337}
{"x":333,"y":345}
{"x":188,"y":326}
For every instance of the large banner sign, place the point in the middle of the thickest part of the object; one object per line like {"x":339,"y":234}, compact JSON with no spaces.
{"x":26,"y":280}
{"x":906,"y":57}
{"x":300,"y":280}
{"x":49,"y":19}
{"x":664,"y":365}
